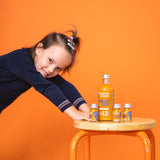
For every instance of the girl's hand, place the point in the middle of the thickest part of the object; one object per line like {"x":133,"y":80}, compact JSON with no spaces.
{"x":81,"y":116}
{"x":84,"y":107}
{"x":75,"y":114}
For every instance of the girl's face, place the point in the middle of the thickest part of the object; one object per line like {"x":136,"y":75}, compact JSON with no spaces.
{"x":49,"y":62}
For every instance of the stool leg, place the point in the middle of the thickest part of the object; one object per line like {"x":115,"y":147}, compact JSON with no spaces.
{"x":147,"y":145}
{"x":152,"y":141}
{"x":87,"y":148}
{"x":74,"y":142}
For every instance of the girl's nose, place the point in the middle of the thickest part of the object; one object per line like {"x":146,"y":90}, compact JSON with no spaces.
{"x":51,"y":69}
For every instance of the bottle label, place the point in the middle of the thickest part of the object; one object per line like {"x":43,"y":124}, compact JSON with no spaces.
{"x":93,"y":116}
{"x":127,"y":116}
{"x":105,"y":101}
{"x":117,"y":115}
{"x":103,"y":94}
{"x":105,"y":106}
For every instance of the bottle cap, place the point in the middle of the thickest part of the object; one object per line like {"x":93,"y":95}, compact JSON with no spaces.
{"x":93,"y":105}
{"x":127,"y":105}
{"x":117,"y":106}
{"x":106,"y":76}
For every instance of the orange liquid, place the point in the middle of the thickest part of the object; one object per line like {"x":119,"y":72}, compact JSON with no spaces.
{"x":105,"y":102}
{"x":127,"y":115}
{"x":93,"y":118}
{"x":116,"y":114}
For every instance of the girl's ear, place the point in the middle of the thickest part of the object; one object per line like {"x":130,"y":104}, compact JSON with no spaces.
{"x":39,"y":48}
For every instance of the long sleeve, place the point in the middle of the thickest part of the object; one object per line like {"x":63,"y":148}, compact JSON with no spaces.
{"x":69,"y":90}
{"x":20,"y":65}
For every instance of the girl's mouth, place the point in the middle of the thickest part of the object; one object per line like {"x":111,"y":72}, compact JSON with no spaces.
{"x":45,"y":73}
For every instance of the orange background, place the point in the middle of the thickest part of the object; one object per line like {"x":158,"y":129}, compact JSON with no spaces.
{"x":118,"y":37}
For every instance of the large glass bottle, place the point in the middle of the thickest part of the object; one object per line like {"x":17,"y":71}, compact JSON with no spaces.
{"x":105,"y":100}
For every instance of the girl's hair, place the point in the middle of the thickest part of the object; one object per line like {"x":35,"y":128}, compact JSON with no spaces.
{"x":71,"y":44}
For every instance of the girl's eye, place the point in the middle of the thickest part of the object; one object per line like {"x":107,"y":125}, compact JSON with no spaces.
{"x":50,"y":60}
{"x":59,"y":69}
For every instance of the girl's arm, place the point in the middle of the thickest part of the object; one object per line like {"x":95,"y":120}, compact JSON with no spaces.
{"x":84,"y":107}
{"x":71,"y":93}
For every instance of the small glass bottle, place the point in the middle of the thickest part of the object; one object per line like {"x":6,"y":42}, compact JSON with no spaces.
{"x":105,"y":100}
{"x":93,"y":113}
{"x":127,"y":113}
{"x":117,"y":113}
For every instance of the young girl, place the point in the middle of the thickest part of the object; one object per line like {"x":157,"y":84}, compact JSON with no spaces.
{"x":39,"y":66}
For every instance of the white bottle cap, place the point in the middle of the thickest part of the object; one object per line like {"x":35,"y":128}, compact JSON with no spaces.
{"x":93,"y":105}
{"x":117,"y":106}
{"x":106,"y":76}
{"x":127,"y":105}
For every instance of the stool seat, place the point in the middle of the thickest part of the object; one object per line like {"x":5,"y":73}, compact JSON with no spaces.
{"x":135,"y":124}
{"x":139,"y":127}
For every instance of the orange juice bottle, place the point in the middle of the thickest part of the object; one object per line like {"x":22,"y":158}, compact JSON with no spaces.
{"x":127,"y":113}
{"x":105,"y":100}
{"x":93,"y":113}
{"x":117,"y":113}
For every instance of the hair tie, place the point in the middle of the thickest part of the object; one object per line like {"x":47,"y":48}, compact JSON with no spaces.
{"x":71,"y":43}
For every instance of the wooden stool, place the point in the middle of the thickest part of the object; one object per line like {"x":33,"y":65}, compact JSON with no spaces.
{"x":140,"y":127}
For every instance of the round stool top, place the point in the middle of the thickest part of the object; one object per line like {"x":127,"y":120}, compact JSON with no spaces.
{"x":135,"y":124}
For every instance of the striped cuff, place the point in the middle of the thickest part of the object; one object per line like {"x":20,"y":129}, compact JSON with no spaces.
{"x":64,"y":105}
{"x":78,"y":102}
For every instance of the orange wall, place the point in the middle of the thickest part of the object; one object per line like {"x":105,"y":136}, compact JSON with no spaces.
{"x":118,"y":37}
